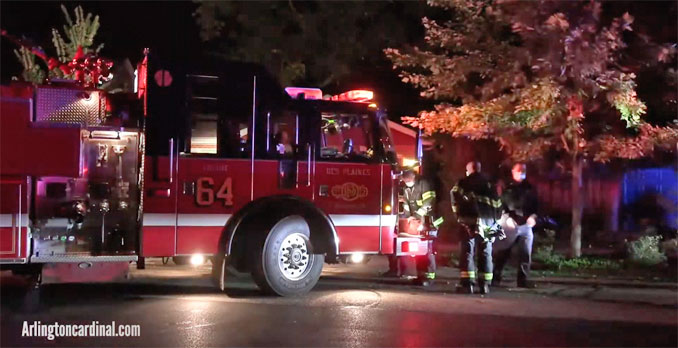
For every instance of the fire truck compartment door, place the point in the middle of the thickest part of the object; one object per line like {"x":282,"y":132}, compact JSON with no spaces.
{"x":160,"y":209}
{"x":13,"y":220}
{"x":23,"y":142}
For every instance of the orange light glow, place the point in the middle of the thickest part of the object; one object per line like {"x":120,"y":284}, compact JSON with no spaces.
{"x":387,"y":208}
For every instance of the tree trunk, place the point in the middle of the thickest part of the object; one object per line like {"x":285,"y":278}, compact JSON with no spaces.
{"x":577,"y":207}
{"x":613,"y":215}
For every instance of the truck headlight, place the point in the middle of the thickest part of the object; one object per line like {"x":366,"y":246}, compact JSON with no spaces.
{"x":197,"y":259}
{"x":357,"y":258}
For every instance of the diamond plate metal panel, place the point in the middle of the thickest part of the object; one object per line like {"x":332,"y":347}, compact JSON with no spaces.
{"x":70,"y":106}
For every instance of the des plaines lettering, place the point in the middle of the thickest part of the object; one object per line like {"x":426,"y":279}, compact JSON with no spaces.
{"x":349,"y":171}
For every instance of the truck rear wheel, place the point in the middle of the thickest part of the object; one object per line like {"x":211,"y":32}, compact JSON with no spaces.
{"x":285,"y":264}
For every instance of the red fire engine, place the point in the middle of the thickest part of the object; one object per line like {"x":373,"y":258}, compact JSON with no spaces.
{"x":212,"y":160}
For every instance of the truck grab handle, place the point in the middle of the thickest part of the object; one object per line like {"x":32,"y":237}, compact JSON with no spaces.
{"x":171,"y":160}
{"x":309,"y":149}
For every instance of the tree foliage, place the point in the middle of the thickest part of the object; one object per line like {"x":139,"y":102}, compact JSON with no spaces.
{"x":536,"y":76}
{"x":32,"y":71}
{"x":78,"y":33}
{"x":312,"y":42}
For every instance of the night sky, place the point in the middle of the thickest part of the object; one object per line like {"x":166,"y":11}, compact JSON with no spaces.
{"x":126,"y":27}
{"x":166,"y":27}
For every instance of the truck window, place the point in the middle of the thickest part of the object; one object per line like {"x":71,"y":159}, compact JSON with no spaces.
{"x":203,"y":104}
{"x":219,"y":122}
{"x":282,"y":130}
{"x":346,"y":137}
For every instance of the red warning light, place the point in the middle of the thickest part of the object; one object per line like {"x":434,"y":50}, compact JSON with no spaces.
{"x":410,"y":247}
{"x":356,"y":95}
{"x":309,"y":93}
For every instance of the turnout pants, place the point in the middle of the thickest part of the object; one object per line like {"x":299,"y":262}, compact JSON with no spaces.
{"x":426,"y":264}
{"x":470,"y":246}
{"x":394,"y":265}
{"x":521,"y":236}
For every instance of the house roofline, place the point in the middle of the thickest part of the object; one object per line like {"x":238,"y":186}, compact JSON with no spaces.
{"x":408,"y":131}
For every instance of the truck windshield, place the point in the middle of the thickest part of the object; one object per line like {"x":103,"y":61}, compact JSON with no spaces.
{"x":346,"y":136}
{"x":386,"y":140}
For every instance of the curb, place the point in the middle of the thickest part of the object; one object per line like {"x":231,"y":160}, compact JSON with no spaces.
{"x":587,"y":281}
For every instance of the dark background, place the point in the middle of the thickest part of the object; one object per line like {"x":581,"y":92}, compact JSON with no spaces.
{"x":168,"y":28}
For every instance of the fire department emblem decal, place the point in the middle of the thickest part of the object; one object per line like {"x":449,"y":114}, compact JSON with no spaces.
{"x":349,"y":191}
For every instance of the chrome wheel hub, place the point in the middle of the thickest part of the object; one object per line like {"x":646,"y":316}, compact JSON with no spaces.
{"x":293,"y":257}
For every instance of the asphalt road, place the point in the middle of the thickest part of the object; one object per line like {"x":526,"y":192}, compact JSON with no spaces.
{"x":174,"y":309}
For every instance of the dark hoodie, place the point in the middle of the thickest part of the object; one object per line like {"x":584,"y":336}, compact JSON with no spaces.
{"x":520,"y":200}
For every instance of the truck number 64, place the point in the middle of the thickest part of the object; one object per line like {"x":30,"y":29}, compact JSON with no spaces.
{"x":204,"y":193}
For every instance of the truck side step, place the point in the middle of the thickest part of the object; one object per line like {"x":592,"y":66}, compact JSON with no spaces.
{"x":79,"y":258}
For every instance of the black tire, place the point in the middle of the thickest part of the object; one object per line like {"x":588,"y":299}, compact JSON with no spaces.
{"x":181,"y":260}
{"x":273,"y":277}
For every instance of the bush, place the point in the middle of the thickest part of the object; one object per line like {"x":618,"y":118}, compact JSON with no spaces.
{"x":590,"y":263}
{"x":545,"y":237}
{"x":555,"y":261}
{"x":544,"y":254}
{"x":645,"y":251}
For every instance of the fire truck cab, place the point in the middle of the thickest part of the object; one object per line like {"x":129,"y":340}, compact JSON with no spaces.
{"x":221,"y":163}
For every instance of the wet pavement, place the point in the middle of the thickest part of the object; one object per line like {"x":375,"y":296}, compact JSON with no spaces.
{"x":177,"y":306}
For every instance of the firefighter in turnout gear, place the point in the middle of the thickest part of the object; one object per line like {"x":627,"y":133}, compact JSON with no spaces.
{"x":478,"y":211}
{"x":419,"y":199}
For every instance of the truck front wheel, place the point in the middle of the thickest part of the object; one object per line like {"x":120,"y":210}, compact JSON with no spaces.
{"x":285,"y":264}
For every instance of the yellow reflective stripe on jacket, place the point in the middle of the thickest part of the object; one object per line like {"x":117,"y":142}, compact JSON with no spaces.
{"x":495,"y":203}
{"x":428,"y":195}
{"x":419,"y":202}
{"x":430,"y":275}
{"x":439,"y":221}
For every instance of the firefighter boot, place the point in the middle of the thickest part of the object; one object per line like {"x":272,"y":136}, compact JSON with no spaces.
{"x":426,"y":279}
{"x":465,"y":286}
{"x":393,"y":268}
{"x":423,"y":282}
{"x":526,"y":284}
{"x":483,"y":288}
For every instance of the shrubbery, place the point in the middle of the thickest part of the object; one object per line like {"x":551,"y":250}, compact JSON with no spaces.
{"x":645,"y":251}
{"x":546,"y":256}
